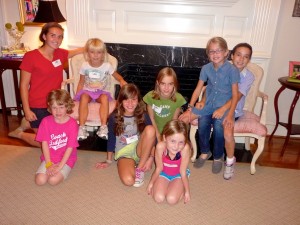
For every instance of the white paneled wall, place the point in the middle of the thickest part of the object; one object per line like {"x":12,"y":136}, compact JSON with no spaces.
{"x":171,"y":22}
{"x":185,"y":23}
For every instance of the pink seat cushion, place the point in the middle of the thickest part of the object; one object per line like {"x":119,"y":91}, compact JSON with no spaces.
{"x":93,"y":114}
{"x":248,"y":123}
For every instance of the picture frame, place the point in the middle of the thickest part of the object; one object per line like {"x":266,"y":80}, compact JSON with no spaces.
{"x":28,"y":10}
{"x":296,"y":11}
{"x":294,"y":69}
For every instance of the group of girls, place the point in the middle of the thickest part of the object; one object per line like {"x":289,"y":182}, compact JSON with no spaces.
{"x":134,"y":129}
{"x":138,"y":134}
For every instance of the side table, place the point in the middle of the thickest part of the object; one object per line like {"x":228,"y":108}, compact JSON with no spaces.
{"x":12,"y":64}
{"x":292,"y":129}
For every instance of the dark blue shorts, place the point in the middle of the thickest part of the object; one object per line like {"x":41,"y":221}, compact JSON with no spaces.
{"x":40,"y":114}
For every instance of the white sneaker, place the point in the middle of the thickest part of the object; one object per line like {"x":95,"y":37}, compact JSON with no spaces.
{"x":229,"y":170}
{"x":139,"y":177}
{"x":82,"y":133}
{"x":103,"y":132}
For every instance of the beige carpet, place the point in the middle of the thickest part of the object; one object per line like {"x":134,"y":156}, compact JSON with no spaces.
{"x":90,"y":196}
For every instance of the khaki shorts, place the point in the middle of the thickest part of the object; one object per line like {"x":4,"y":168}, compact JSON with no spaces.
{"x":65,"y":171}
{"x":129,"y":152}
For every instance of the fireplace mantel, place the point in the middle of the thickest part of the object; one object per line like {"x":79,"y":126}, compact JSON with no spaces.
{"x":183,"y":23}
{"x":223,"y":3}
{"x":180,"y":23}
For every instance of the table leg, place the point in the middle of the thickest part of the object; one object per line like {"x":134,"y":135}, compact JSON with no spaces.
{"x":17,"y":93}
{"x":276,"y":111}
{"x":3,"y":103}
{"x":290,"y":122}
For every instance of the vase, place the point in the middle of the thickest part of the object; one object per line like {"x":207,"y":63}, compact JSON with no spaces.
{"x":16,"y":35}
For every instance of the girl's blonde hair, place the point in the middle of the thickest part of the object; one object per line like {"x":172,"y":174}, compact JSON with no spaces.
{"x":217,"y":40}
{"x":167,"y":71}
{"x":174,"y":127}
{"x":129,"y":91}
{"x":61,"y":97}
{"x":95,"y":44}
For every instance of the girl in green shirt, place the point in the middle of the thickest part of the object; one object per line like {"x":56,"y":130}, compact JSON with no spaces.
{"x":164,"y":102}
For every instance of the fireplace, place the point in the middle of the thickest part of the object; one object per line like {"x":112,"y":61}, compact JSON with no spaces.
{"x":139,"y":64}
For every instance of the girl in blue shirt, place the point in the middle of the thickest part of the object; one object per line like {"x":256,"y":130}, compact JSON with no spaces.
{"x":222,"y":85}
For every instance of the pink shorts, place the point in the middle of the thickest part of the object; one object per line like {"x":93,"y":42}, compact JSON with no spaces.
{"x":93,"y":94}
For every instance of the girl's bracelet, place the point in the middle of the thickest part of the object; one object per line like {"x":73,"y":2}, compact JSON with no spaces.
{"x":48,"y":164}
{"x":189,"y":108}
{"x":108,"y":161}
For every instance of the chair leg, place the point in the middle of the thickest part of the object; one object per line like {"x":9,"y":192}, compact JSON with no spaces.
{"x":247,"y":143}
{"x":193,"y":131}
{"x":259,"y":150}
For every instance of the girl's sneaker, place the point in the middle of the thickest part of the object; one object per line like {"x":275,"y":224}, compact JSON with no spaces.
{"x":229,"y":170}
{"x":139,"y":177}
{"x":82,"y":133}
{"x":103,"y":132}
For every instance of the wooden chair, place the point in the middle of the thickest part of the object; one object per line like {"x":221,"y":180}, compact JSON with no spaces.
{"x":93,"y":119}
{"x":249,"y":125}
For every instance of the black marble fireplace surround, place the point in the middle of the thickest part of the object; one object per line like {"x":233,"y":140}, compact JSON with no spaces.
{"x":139,"y":64}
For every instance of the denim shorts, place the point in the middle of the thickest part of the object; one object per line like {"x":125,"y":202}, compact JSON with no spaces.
{"x":170,"y":178}
{"x":40,"y":113}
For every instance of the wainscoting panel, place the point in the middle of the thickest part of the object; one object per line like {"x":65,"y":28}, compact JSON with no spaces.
{"x":105,"y":20}
{"x":168,"y":23}
{"x":235,"y":27}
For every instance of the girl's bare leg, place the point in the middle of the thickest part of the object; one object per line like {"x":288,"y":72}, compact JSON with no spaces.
{"x":145,"y":145}
{"x":41,"y":179}
{"x":126,"y":170}
{"x":160,"y":189}
{"x":30,"y":138}
{"x":56,"y":179}
{"x":175,"y":191}
{"x":229,"y":141}
{"x":83,"y":108}
{"x":103,"y":111}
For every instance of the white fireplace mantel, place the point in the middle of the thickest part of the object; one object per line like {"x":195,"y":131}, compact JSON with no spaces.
{"x":186,"y":23}
{"x":183,"y":23}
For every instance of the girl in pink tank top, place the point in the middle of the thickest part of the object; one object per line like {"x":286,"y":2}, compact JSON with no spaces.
{"x":169,"y":181}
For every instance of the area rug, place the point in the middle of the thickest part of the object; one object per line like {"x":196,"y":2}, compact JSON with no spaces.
{"x":91,"y":196}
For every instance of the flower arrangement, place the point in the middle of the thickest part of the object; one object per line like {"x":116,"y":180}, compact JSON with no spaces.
{"x":16,"y":33}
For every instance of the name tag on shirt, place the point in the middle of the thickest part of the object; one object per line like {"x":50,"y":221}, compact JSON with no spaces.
{"x":56,"y":63}
{"x":131,"y":139}
{"x":156,"y":108}
{"x":94,"y":74}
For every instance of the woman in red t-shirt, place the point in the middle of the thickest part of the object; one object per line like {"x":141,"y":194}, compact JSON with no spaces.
{"x":41,"y":72}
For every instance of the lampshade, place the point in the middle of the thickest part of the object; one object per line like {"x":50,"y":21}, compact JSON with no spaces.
{"x":48,"y":11}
